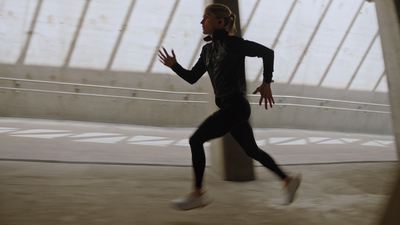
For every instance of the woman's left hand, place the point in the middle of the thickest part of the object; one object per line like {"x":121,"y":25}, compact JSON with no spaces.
{"x":266,"y":94}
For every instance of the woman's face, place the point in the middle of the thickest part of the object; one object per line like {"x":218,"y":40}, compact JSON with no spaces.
{"x":210,"y":22}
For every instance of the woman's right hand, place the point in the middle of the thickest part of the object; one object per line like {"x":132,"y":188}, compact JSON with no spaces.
{"x":166,"y":59}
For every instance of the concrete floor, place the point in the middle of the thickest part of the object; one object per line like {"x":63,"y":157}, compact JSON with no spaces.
{"x":64,"y":172}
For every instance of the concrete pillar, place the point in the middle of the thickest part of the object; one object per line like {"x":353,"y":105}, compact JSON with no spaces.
{"x":228,"y":158}
{"x":388,"y":19}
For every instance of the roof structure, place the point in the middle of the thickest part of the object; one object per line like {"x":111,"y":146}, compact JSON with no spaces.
{"x":328,"y":43}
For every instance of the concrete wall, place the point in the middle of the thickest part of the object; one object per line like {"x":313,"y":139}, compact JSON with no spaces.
{"x":123,"y":106}
{"x":70,"y":102}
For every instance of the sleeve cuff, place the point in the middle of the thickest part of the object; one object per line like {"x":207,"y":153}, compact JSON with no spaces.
{"x":268,"y":79}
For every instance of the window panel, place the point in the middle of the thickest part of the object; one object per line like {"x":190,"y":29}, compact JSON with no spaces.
{"x":99,"y":33}
{"x":54,"y":32}
{"x":15,"y":22}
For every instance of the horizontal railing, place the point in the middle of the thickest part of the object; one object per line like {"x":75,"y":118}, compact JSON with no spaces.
{"x":99,"y":95}
{"x":101,"y":86}
{"x":277,"y":97}
{"x":325,"y":101}
{"x":328,"y":107}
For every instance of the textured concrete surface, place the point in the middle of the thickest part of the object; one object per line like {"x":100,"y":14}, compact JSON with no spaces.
{"x":51,"y":193}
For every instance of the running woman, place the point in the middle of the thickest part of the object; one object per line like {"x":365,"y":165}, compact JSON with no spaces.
{"x":224,"y":58}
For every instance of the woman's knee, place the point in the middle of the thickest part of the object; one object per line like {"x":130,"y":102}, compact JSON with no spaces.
{"x":194,"y":140}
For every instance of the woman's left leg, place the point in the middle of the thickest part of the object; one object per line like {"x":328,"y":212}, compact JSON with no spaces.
{"x":243,"y":134}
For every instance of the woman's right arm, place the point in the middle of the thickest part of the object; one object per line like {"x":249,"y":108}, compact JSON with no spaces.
{"x":191,"y":76}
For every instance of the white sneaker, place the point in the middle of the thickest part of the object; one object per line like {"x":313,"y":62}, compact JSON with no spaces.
{"x":192,"y":201}
{"x":292,"y":187}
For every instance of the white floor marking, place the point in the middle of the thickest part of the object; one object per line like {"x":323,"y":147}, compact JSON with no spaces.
{"x":261,"y":143}
{"x":162,"y":143}
{"x":150,"y":141}
{"x":45,"y":136}
{"x":100,"y":137}
{"x":94,"y":135}
{"x":183,"y":142}
{"x":108,"y":140}
{"x":373,"y":143}
{"x":146,"y":138}
{"x":38,"y":131}
{"x":331,"y":142}
{"x":277,"y":140}
{"x":384,"y":142}
{"x":349,"y":140}
{"x":297,"y":142}
{"x":6,"y":129}
{"x":317,"y":139}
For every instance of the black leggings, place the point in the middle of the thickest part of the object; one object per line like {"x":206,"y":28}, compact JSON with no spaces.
{"x":233,"y":116}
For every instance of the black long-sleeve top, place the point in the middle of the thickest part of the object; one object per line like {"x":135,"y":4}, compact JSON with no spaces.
{"x":224,"y":60}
